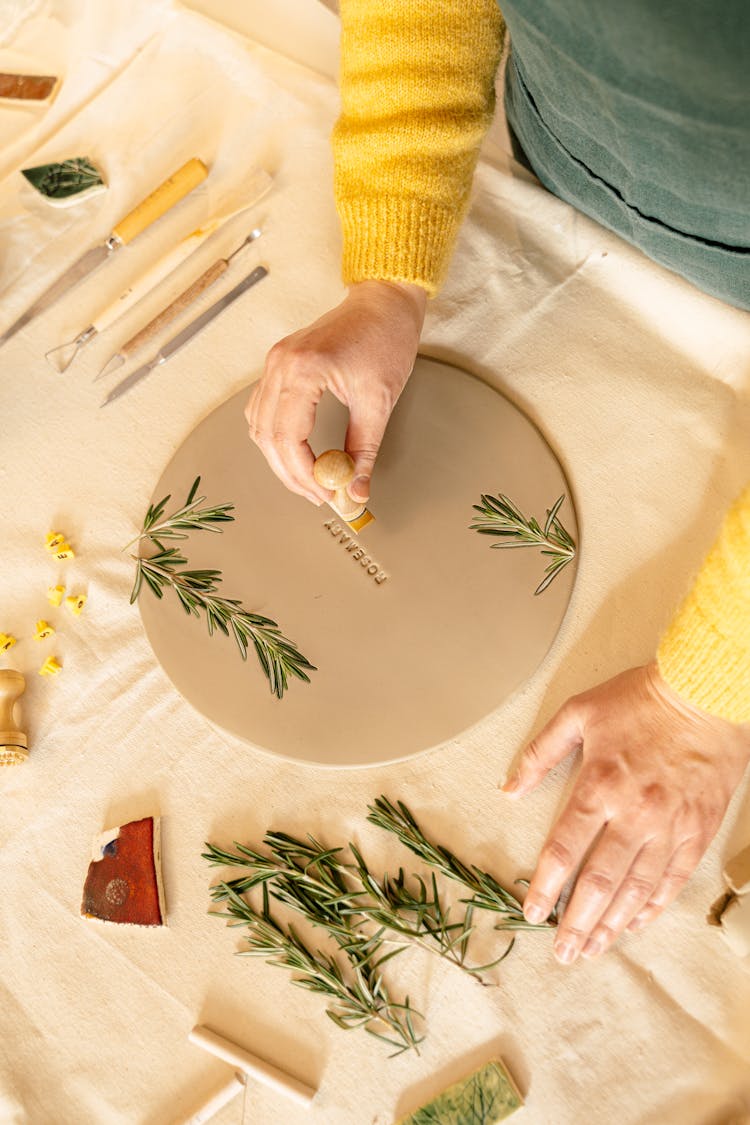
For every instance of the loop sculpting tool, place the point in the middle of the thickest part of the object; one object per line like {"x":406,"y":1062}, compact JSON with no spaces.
{"x":178,"y":305}
{"x":177,"y":342}
{"x":147,"y":212}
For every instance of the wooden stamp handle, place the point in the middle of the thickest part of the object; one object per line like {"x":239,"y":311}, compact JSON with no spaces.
{"x":334,"y":469}
{"x":12,"y":740}
{"x":159,"y":201}
{"x":172,"y":310}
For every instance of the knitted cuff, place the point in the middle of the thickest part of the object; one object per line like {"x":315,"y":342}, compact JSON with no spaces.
{"x":391,"y":239}
{"x":705,"y":668}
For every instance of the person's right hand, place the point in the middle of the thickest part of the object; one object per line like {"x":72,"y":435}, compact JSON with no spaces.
{"x":363,"y":352}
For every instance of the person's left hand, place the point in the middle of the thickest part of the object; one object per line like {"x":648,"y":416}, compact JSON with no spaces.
{"x":656,"y":777}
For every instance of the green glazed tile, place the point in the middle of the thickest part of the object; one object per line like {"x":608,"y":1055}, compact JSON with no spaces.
{"x":484,"y":1098}
{"x":65,"y":182}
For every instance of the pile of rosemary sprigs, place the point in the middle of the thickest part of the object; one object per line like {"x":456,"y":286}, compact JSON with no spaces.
{"x":368,"y":919}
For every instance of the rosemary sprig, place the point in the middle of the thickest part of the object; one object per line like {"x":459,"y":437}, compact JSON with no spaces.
{"x":190,"y":517}
{"x":197,"y":590}
{"x":500,"y":517}
{"x":342,"y":897}
{"x":362,"y":1001}
{"x":486,"y":892}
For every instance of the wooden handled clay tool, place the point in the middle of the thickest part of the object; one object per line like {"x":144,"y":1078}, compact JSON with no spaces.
{"x":177,"y":342}
{"x":62,"y":356}
{"x":334,"y":469}
{"x":186,"y":298}
{"x":147,"y":212}
{"x":263,"y":1071}
{"x":13,"y":743}
{"x":215,"y":1101}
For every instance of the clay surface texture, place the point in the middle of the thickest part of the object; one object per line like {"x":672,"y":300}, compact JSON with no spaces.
{"x":417,"y":628}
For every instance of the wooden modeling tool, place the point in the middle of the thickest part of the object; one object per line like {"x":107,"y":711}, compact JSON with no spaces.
{"x":27,"y":87}
{"x":178,"y":305}
{"x":259,"y":1069}
{"x":13,"y":742}
{"x":61,"y":357}
{"x":182,"y":338}
{"x":147,"y":212}
{"x":334,"y":469}
{"x":215,"y":1101}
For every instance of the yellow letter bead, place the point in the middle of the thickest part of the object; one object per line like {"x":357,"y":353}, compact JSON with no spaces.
{"x":6,"y":642}
{"x":50,"y":667}
{"x":53,"y":540}
{"x":43,"y":630}
{"x":65,"y":552}
{"x":75,"y":603}
{"x":55,"y":595}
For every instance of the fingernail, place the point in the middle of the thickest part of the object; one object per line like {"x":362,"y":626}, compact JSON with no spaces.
{"x":637,"y":924}
{"x":533,"y":913}
{"x":592,"y":948}
{"x":565,"y":953}
{"x":314,"y":499}
{"x":511,"y":785}
{"x":360,"y":488}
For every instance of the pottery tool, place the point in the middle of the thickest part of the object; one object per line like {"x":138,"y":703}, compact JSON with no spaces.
{"x":27,"y":87}
{"x":123,"y":882}
{"x":61,"y":357}
{"x":178,"y":305}
{"x":182,"y":338}
{"x":334,"y":469}
{"x":211,"y":1105}
{"x":147,"y":212}
{"x":269,"y":1075}
{"x":13,"y":742}
{"x":413,"y":609}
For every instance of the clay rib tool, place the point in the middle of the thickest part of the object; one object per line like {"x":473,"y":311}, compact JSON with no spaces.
{"x":265,"y":1072}
{"x":146,"y":212}
{"x":334,"y":469}
{"x":66,"y":353}
{"x":27,"y":87}
{"x":177,"y":342}
{"x":186,"y":298}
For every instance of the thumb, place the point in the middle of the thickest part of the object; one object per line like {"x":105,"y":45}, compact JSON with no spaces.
{"x":562,"y":734}
{"x":367,"y":423}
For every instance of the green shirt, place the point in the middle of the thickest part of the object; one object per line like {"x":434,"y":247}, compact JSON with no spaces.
{"x":638,"y":113}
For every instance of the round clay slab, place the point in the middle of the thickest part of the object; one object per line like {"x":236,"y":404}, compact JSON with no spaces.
{"x":419,"y":630}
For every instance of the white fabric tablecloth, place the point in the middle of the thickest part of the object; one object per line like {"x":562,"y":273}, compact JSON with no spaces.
{"x":642,"y":385}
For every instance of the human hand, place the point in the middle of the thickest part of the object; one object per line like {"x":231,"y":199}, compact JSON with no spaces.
{"x":655,"y":780}
{"x":363,"y":351}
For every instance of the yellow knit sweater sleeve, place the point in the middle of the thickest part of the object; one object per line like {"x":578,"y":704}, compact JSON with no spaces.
{"x":417,"y":95}
{"x":705,"y":653}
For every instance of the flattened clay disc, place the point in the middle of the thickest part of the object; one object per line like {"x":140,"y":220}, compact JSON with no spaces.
{"x":405,"y":662}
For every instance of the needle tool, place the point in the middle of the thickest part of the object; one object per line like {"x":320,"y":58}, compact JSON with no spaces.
{"x":178,"y":305}
{"x":177,"y":342}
